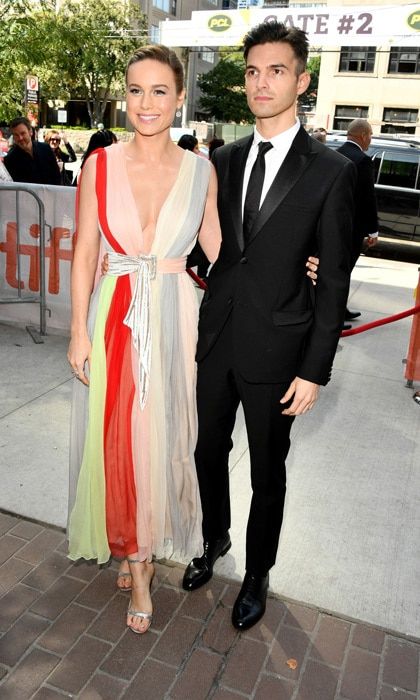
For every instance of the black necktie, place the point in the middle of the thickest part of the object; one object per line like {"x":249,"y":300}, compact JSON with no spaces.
{"x":253,"y":193}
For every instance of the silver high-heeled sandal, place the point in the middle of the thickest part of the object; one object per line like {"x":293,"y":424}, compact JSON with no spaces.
{"x":138,"y":613}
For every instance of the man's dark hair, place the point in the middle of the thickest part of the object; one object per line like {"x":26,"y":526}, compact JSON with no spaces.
{"x":188,"y":142}
{"x":272,"y":32}
{"x":20,"y":120}
{"x":99,"y":139}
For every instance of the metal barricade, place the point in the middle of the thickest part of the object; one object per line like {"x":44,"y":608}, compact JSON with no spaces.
{"x":41,"y":298}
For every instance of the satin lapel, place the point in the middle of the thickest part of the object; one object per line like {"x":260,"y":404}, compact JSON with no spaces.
{"x":236,"y":177}
{"x":291,"y":170}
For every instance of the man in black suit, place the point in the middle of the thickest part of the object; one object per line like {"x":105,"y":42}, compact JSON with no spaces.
{"x":365,"y":222}
{"x":267,"y":337}
{"x":28,"y":160}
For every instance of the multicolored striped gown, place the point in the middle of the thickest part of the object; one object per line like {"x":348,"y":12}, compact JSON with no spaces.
{"x":133,"y":486}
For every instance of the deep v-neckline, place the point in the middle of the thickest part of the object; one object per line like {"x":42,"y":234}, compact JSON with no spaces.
{"x":131,"y":193}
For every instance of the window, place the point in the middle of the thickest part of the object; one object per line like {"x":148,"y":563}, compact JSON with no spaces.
{"x":392,"y":114}
{"x":399,"y":169}
{"x":168,"y":6}
{"x":269,"y":3}
{"x":206,"y":55}
{"x":397,"y":121}
{"x":344,"y":114}
{"x":404,"y":59}
{"x":397,"y":129}
{"x":154,"y":34}
{"x":357,"y":59}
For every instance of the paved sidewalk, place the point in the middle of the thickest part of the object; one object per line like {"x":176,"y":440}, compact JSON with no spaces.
{"x":62,"y":634}
{"x":351,"y":533}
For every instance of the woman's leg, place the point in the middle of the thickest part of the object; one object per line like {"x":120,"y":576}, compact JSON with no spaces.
{"x":139,"y":615}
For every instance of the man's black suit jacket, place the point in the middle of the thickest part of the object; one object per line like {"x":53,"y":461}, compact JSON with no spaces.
{"x":39,"y":168}
{"x":365,"y":211}
{"x":282,"y":326}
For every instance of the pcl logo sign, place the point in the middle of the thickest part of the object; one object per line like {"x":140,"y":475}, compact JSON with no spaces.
{"x":219,"y":23}
{"x":413,"y":20}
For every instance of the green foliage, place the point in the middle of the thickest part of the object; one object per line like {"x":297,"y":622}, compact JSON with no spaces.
{"x":15,"y":24}
{"x":309,"y":97}
{"x":79,"y":51}
{"x":223,"y":92}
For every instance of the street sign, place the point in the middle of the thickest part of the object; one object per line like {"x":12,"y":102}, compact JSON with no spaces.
{"x":32,"y":82}
{"x":62,"y":116}
{"x":32,"y":89}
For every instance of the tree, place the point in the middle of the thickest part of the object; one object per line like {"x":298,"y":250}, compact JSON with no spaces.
{"x":78,"y":50}
{"x":223,"y":92}
{"x":310,"y":95}
{"x":15,"y":23}
{"x":88,"y":44}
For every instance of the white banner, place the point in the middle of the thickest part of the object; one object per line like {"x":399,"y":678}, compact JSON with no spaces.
{"x":349,"y":25}
{"x":59,"y":203}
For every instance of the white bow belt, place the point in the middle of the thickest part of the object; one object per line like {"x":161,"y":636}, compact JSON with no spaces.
{"x":138,"y":315}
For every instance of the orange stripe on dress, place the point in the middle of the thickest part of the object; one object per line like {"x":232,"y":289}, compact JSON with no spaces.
{"x":121,"y":499}
{"x":120,"y":489}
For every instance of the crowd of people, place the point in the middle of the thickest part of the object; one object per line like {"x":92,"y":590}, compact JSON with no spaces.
{"x":25,"y":158}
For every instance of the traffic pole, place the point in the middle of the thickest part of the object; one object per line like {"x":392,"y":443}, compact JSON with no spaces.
{"x":412,"y":363}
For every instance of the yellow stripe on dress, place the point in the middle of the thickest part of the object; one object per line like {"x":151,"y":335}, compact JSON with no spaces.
{"x":87,"y":527}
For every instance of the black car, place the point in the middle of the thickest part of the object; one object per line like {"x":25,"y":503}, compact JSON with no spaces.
{"x":397,"y":184}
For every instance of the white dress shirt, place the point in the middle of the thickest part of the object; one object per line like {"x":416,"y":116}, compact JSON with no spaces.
{"x":273,"y":159}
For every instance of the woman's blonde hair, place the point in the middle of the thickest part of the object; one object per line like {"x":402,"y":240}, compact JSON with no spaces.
{"x":50,"y":134}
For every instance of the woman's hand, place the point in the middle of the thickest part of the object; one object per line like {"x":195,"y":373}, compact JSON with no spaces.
{"x":78,"y":354}
{"x":104,"y":264}
{"x":312,"y":265}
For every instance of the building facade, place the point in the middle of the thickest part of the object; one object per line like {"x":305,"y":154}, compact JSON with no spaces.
{"x":378,"y":83}
{"x":196,"y":60}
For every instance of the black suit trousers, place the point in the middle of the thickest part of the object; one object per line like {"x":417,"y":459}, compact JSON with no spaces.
{"x":220,"y":389}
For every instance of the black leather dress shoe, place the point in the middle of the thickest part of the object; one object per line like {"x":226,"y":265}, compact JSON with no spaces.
{"x":200,"y":570}
{"x":250,"y":603}
{"x":351,"y":315}
{"x":346,"y":326}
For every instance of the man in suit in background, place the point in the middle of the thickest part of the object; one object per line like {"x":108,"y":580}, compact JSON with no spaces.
{"x":320,"y":134}
{"x":267,"y":337}
{"x":29,"y":160}
{"x":365,"y":222}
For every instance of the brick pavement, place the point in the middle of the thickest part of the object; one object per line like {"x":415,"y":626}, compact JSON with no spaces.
{"x":62,"y":634}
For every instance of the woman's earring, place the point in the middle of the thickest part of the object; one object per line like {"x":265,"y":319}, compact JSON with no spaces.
{"x":178,"y":113}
